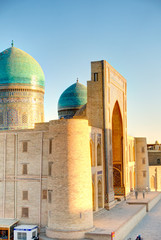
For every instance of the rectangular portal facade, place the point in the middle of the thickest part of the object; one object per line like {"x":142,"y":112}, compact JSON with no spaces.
{"x":107,"y":109}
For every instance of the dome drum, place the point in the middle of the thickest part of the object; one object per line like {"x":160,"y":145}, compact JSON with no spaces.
{"x":65,"y":113}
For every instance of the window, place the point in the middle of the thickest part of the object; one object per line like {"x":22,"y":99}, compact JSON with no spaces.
{"x":143,"y":161}
{"x":12,"y":117}
{"x":158,"y":161}
{"x":50,"y":146}
{"x":24,"y":146}
{"x":25,"y":212}
{"x":99,"y":162}
{"x":143,"y":149}
{"x":1,"y":118}
{"x":44,"y":194}
{"x":24,"y":169}
{"x":95,"y":77}
{"x":22,"y":236}
{"x":50,"y":168}
{"x":144,"y":173}
{"x":49,"y":196}
{"x":34,"y":234}
{"x":25,"y":195}
{"x":4,"y":234}
{"x":24,"y":118}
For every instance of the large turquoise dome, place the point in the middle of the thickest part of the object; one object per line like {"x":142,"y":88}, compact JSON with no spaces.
{"x":19,"y":68}
{"x":72,"y":99}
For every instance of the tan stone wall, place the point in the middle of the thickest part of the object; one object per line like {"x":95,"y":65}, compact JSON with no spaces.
{"x":142,"y":169}
{"x":97,"y":168}
{"x":155,"y":178}
{"x":70,"y":183}
{"x":155,"y":168}
{"x":154,"y":156}
{"x":131,"y":165}
{"x":95,"y":97}
{"x":12,"y":180}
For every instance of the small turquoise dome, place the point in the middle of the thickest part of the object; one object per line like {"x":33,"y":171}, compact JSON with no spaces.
{"x":19,"y":68}
{"x":72,"y":99}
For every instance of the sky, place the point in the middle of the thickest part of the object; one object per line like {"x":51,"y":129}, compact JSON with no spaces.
{"x":64,"y":36}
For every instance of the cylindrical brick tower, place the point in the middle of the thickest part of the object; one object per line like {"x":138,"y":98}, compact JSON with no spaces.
{"x":21,"y":90}
{"x":69,"y":184}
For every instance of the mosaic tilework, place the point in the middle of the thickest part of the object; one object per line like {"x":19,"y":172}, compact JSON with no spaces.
{"x":19,"y":111}
{"x":23,"y":100}
{"x":24,"y":118}
{"x":119,"y":191}
{"x":12,"y":117}
{"x":1,"y":118}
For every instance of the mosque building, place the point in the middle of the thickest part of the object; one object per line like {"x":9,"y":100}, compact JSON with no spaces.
{"x":56,"y":173}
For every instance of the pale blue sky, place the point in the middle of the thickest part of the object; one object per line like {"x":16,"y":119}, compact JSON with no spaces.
{"x":64,"y":36}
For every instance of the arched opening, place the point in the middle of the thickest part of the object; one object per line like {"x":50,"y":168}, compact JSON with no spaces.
{"x":116,"y":177}
{"x":99,"y":155}
{"x":152,"y":183}
{"x":117,"y":150}
{"x":100,"y":194}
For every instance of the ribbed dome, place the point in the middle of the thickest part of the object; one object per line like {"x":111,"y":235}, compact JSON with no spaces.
{"x":73,"y":98}
{"x":19,"y":68}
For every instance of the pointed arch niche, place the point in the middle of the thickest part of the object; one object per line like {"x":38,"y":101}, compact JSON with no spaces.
{"x":117,"y":149}
{"x":99,"y":188}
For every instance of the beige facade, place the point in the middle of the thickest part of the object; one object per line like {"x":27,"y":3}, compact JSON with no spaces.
{"x":97,"y":164}
{"x":154,"y":156}
{"x":155,"y":178}
{"x":142,"y":173}
{"x":131,"y":164}
{"x":106,"y":109}
{"x":24,"y":168}
{"x":58,"y":173}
